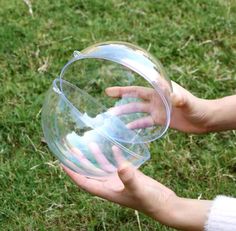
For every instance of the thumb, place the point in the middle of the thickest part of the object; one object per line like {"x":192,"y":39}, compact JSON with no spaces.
{"x":129,"y":178}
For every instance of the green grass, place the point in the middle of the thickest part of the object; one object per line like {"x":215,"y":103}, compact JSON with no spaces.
{"x":196,"y":42}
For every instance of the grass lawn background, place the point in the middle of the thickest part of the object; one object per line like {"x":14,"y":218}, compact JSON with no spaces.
{"x":196,"y":42}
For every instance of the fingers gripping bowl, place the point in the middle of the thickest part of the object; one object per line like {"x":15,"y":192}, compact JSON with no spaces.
{"x":109,"y":101}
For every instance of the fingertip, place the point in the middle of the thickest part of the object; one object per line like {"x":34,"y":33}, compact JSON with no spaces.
{"x":64,"y":167}
{"x":125,"y":172}
{"x":123,"y":166}
{"x":112,"y":92}
{"x":112,"y":111}
{"x":67,"y":170}
{"x":129,"y":126}
{"x":77,"y":178}
{"x":108,"y":90}
{"x":127,"y":176}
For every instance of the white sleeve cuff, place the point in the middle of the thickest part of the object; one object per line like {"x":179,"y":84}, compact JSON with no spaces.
{"x":222,"y":215}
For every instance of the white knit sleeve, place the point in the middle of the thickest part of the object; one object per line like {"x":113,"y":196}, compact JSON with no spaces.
{"x":222,"y":215}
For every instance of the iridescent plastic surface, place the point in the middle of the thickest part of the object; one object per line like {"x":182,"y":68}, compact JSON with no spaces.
{"x":92,"y":129}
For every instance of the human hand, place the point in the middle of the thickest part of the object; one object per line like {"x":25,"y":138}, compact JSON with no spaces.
{"x":133,"y":189}
{"x":189,"y":113}
{"x":125,"y":187}
{"x":130,"y":188}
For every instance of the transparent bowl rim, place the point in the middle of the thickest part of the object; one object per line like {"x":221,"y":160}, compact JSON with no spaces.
{"x":80,"y":56}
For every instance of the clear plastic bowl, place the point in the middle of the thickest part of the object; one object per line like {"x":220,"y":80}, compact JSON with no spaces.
{"x":92,"y":131}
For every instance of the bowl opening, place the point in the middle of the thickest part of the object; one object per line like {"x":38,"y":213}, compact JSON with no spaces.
{"x":95,"y":75}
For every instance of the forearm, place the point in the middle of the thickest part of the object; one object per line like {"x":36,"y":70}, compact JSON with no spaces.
{"x":222,"y":114}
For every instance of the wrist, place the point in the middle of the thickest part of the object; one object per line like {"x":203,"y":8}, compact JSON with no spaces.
{"x":222,"y":114}
{"x":214,"y":110}
{"x":203,"y":114}
{"x":210,"y":109}
{"x":188,"y":214}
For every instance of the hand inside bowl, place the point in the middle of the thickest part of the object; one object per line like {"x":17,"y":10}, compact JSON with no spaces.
{"x":87,"y":158}
{"x":151,"y":105}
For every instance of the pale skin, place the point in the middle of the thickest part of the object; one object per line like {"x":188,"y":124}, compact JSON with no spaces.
{"x":190,"y":114}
